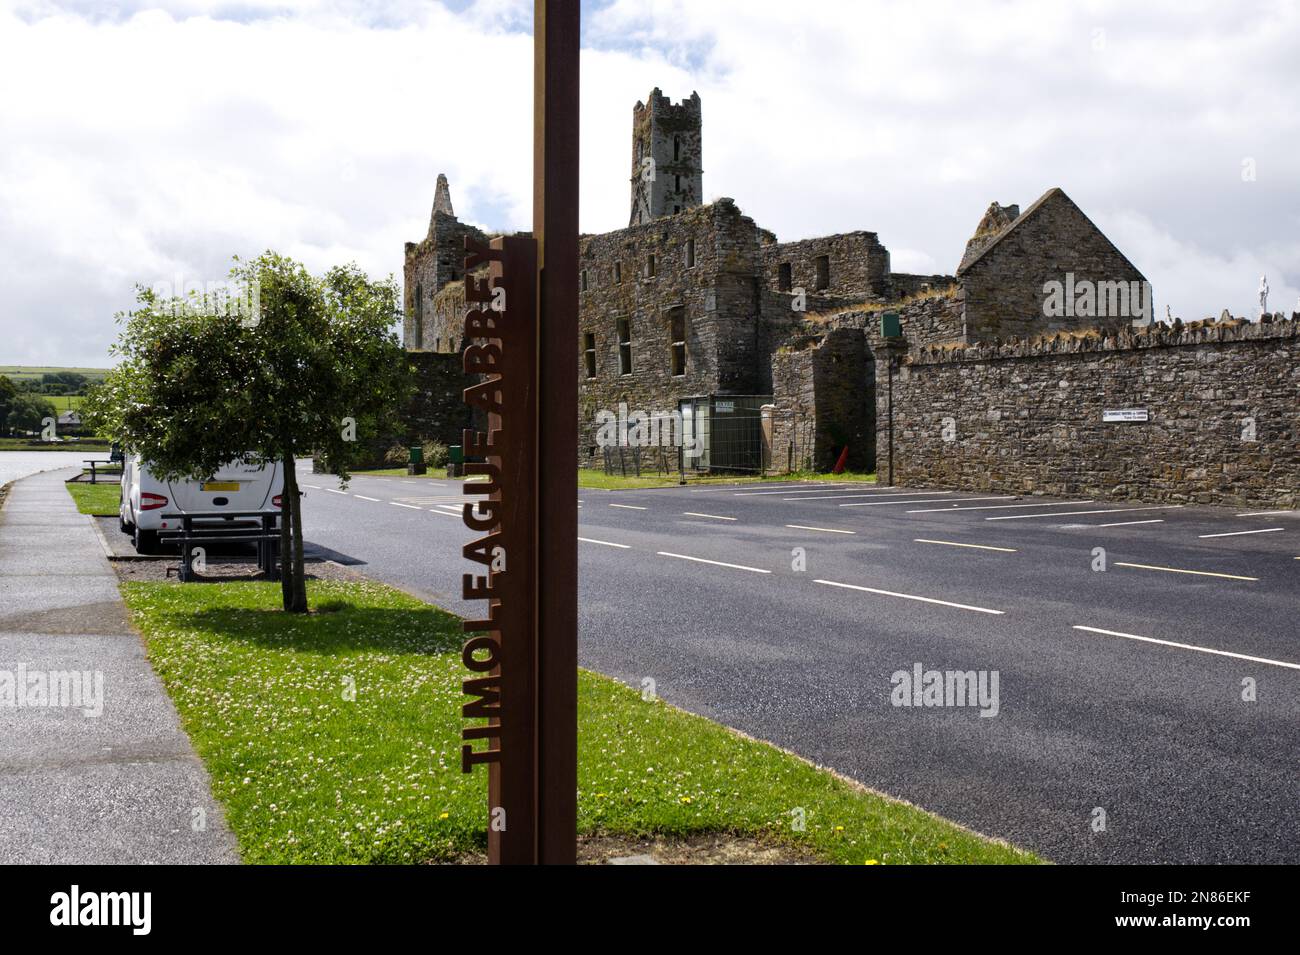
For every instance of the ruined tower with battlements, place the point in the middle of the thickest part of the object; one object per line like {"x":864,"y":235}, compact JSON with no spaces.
{"x":667,"y":175}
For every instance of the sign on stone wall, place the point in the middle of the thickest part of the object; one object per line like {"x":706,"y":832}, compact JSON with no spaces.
{"x":1125,"y":414}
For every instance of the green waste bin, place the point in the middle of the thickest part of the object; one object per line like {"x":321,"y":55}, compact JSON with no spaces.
{"x":456,"y":454}
{"x":890,"y":325}
{"x":416,"y":451}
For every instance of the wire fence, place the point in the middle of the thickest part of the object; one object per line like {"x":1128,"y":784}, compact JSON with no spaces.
{"x":745,"y":442}
{"x":791,"y":444}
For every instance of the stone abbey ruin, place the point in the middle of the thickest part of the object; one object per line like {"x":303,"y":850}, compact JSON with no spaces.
{"x":781,"y":356}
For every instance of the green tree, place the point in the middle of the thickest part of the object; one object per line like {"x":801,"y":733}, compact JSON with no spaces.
{"x":202,"y":382}
{"x":28,"y":412}
{"x":7,"y":395}
{"x":63,"y":382}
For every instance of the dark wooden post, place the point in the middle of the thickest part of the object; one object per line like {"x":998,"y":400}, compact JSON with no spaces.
{"x":555,"y":226}
{"x":521,"y":335}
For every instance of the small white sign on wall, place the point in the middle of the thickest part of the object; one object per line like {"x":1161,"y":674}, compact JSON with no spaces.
{"x":1125,"y":414}
{"x":724,"y":407}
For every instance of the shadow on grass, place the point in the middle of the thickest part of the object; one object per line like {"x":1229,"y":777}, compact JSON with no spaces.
{"x":333,"y":627}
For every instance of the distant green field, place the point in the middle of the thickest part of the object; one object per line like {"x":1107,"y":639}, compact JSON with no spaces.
{"x":64,"y":402}
{"x":20,"y":372}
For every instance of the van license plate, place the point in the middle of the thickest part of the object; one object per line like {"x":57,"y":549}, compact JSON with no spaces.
{"x":220,"y":486}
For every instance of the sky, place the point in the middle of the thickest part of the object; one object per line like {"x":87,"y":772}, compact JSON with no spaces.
{"x":148,"y":143}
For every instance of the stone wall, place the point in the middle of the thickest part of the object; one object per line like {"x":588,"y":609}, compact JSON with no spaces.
{"x":854,"y":263}
{"x":438,"y":411}
{"x":435,"y":410}
{"x":1003,"y":284}
{"x":705,"y":266}
{"x":823,"y":398}
{"x":1222,"y":399}
{"x":903,"y":285}
{"x":933,"y":319}
{"x":429,"y":265}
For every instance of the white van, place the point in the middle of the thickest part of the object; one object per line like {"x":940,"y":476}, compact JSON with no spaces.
{"x":236,"y":487}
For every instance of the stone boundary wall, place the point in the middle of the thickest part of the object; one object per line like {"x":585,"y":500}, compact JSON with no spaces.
{"x":1223,"y":400}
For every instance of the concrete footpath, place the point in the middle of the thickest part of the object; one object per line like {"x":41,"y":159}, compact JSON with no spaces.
{"x":94,"y":765}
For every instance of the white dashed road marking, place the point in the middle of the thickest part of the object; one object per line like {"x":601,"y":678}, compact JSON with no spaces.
{"x":845,"y":497}
{"x":1005,"y":550}
{"x":1157,"y":520}
{"x":792,"y":489}
{"x":1176,"y":570}
{"x":992,"y":507}
{"x":928,"y":600}
{"x":827,"y":530}
{"x":400,"y":504}
{"x":335,"y":491}
{"x":629,"y":507}
{"x":928,"y":500}
{"x":364,"y":498}
{"x":314,"y":487}
{"x":1264,"y":530}
{"x":1263,"y":513}
{"x":592,"y":540}
{"x":715,"y":517}
{"x":1190,"y":646}
{"x":715,"y":563}
{"x":1108,"y":510}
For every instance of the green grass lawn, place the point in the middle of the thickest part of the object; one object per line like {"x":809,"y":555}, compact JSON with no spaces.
{"x":599,"y":480}
{"x":94,"y":447}
{"x":436,"y":473}
{"x":95,"y":498}
{"x":20,"y":372}
{"x":308,"y":775}
{"x":593,"y":479}
{"x":64,"y":402}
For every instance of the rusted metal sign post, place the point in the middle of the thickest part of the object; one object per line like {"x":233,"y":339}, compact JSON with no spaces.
{"x":521,"y":332}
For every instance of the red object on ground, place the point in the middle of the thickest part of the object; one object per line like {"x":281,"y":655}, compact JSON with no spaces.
{"x":844,"y":459}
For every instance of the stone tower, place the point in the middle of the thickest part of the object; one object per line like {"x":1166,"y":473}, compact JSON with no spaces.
{"x":431,"y":264}
{"x":667,"y":175}
{"x":442,"y":198}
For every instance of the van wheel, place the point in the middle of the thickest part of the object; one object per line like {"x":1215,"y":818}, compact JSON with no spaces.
{"x":146,"y":542}
{"x":123,"y":526}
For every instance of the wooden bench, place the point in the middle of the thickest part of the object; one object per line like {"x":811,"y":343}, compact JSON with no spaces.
{"x":233,"y":527}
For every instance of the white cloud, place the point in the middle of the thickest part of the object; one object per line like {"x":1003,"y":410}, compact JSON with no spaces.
{"x":142,"y":144}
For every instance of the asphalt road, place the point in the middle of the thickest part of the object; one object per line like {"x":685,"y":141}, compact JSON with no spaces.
{"x":1120,"y":691}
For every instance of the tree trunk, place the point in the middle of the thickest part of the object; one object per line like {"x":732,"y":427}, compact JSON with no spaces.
{"x":293,"y":583}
